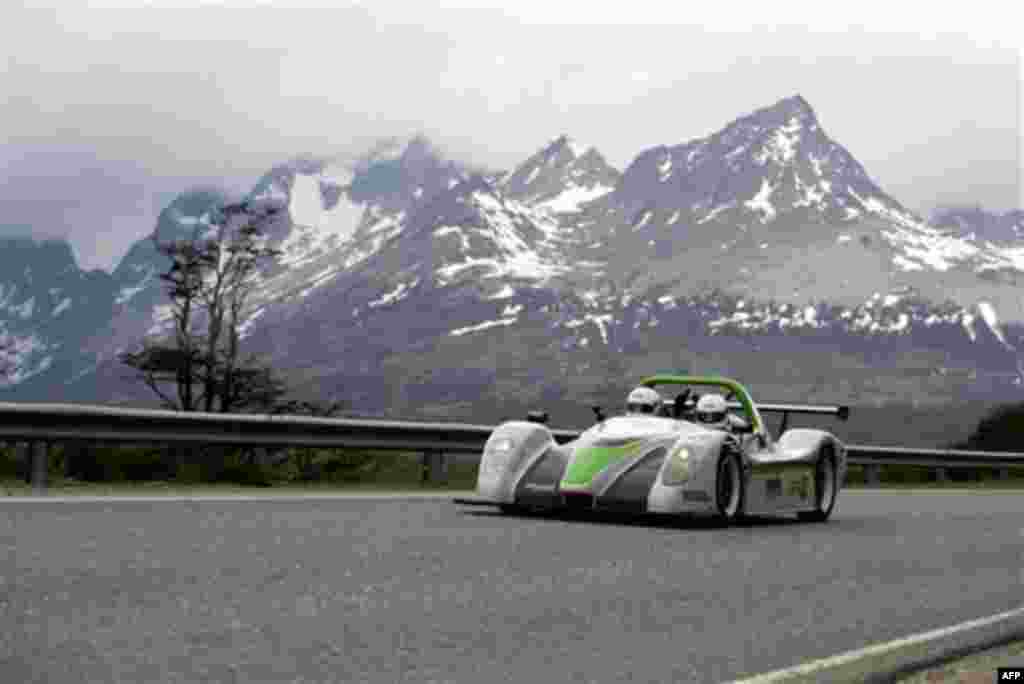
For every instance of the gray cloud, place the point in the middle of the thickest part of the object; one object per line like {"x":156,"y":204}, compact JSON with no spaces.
{"x":110,"y":112}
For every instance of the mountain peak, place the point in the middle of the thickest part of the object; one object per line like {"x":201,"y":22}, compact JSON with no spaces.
{"x":566,"y":142}
{"x":793,"y":106}
{"x":562,"y":166}
{"x":419,"y":149}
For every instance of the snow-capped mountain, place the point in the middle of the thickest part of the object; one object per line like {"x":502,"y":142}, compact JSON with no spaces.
{"x":561,"y":178}
{"x":765,"y":250}
{"x":976,"y":223}
{"x":47,"y":305}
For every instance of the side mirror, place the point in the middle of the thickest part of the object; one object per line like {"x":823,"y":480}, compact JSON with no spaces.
{"x":537,"y":417}
{"x":598,"y":413}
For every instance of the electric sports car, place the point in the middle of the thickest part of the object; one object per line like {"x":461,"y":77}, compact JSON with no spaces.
{"x":667,"y":458}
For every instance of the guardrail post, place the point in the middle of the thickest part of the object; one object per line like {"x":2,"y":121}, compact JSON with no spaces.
{"x":442,"y":467}
{"x":1003,"y":473}
{"x":873,"y":474}
{"x":40,"y":462}
{"x":24,"y":459}
{"x":942,"y":475}
{"x":75,"y":451}
{"x":435,"y":467}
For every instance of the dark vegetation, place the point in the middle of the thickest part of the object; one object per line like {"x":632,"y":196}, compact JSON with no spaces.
{"x":1000,"y":430}
{"x":70,"y":464}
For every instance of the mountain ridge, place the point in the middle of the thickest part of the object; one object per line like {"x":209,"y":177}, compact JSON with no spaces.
{"x":764,"y":238}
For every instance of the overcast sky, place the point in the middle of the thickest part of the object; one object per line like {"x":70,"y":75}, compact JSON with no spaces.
{"x":112,"y":109}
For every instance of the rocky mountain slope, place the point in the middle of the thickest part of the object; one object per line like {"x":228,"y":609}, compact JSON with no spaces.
{"x":414,"y":284}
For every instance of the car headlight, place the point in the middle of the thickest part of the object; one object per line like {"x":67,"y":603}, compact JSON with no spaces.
{"x":501,"y":446}
{"x":678,"y":470}
{"x":496,"y":454}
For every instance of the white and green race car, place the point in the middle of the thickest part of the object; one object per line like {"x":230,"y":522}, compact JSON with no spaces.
{"x":666,"y":461}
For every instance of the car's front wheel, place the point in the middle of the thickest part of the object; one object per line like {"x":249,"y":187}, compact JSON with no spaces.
{"x":825,"y":488}
{"x":730,"y":493}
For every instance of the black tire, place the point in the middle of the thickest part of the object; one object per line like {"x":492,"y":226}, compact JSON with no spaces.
{"x":826,"y":488}
{"x":730,"y":490}
{"x":510,"y":509}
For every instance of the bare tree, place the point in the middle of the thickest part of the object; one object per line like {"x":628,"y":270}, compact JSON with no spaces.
{"x":177,"y":359}
{"x":210,"y":282}
{"x":236,"y":384}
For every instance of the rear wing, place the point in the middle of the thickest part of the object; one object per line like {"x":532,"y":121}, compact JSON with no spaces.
{"x":840,"y":412}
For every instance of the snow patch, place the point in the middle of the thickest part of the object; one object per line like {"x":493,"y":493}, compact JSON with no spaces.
{"x":716,"y":211}
{"x":812,"y":194}
{"x":781,"y":147}
{"x":24,"y":309}
{"x":162,"y":315}
{"x":761,"y":201}
{"x":400,"y":292}
{"x":905,"y":264}
{"x":245,"y":329}
{"x":668,"y":301}
{"x":576,"y":148}
{"x":127,"y":293}
{"x":453,"y":230}
{"x":481,"y":326}
{"x":315,"y":228}
{"x":665,"y":169}
{"x":643,"y":220}
{"x":64,"y":305}
{"x":901,"y":324}
{"x":816,"y":165}
{"x":967,"y":321}
{"x":988,"y":313}
{"x":570,"y":201}
{"x":504,"y":293}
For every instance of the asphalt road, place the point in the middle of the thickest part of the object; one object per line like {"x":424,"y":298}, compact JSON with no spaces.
{"x":386,"y":590}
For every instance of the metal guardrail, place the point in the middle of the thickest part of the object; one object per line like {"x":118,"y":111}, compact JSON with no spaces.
{"x":42,"y":424}
{"x":932,"y":458}
{"x":60,"y":422}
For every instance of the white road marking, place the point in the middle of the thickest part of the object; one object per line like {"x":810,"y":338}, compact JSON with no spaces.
{"x":388,"y":496}
{"x":877,"y":649}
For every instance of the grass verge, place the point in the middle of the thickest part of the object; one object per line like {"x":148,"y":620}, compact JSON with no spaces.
{"x":979,"y":668}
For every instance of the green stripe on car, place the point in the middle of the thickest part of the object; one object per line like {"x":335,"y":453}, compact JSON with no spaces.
{"x":592,"y":460}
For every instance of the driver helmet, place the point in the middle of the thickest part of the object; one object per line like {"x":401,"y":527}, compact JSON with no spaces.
{"x":711,"y":411}
{"x":643,"y":400}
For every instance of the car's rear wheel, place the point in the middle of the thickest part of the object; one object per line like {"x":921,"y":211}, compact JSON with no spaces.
{"x":825,"y":488}
{"x":730,"y":494}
